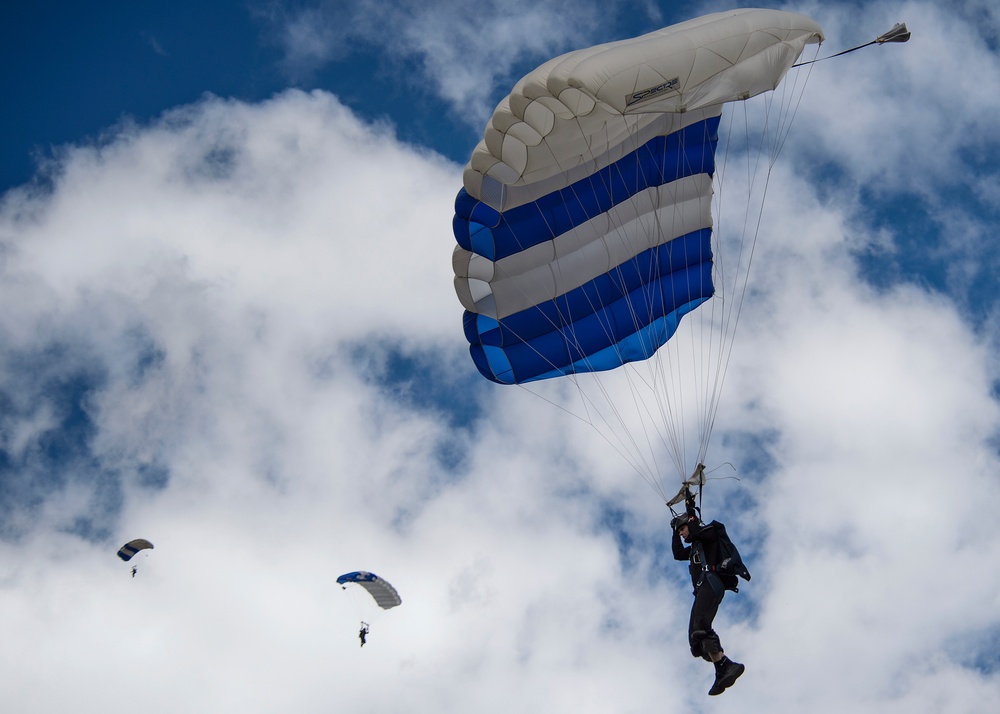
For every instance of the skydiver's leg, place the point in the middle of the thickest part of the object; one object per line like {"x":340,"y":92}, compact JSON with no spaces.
{"x":703,"y":639}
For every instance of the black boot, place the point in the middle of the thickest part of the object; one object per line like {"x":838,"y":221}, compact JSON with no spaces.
{"x":726,"y":672}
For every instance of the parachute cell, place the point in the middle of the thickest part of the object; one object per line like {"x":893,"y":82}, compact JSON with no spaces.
{"x":132,"y":547}
{"x":385,"y":595}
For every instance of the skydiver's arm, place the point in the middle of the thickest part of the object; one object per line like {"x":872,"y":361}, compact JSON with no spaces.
{"x":681,"y":551}
{"x":703,"y":533}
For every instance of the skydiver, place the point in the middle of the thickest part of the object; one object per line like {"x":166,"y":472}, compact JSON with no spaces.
{"x":363,"y":632}
{"x":133,"y":570}
{"x":709,"y":589}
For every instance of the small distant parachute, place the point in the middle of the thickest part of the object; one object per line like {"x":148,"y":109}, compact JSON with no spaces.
{"x":132,"y":547}
{"x":385,"y":595}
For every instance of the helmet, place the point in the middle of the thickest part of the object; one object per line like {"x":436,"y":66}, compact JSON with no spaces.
{"x":681,"y":520}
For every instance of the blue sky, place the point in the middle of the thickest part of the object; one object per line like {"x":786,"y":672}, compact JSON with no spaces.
{"x":78,"y":71}
{"x":227,"y":325}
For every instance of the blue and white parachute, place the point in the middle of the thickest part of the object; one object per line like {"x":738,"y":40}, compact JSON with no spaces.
{"x":585,"y":224}
{"x":132,"y":547}
{"x":385,"y":595}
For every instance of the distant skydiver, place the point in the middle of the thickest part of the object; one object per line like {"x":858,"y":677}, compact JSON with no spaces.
{"x":363,"y":632}
{"x":127,"y":551}
{"x":705,"y":554}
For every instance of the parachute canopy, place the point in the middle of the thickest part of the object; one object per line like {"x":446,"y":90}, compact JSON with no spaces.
{"x":584,"y":225}
{"x":132,"y":547}
{"x":385,"y":595}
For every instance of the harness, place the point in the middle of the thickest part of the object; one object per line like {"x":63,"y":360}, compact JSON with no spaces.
{"x":698,"y":559}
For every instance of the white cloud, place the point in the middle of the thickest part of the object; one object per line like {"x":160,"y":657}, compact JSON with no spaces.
{"x":215,"y":274}
{"x":897,"y":116}
{"x":455,"y":49}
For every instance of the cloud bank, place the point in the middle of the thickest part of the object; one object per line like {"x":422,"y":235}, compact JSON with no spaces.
{"x":233,"y":332}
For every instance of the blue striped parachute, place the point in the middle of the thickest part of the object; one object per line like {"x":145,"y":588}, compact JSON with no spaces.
{"x":132,"y":547}
{"x":382,"y":592}
{"x":585,"y":223}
